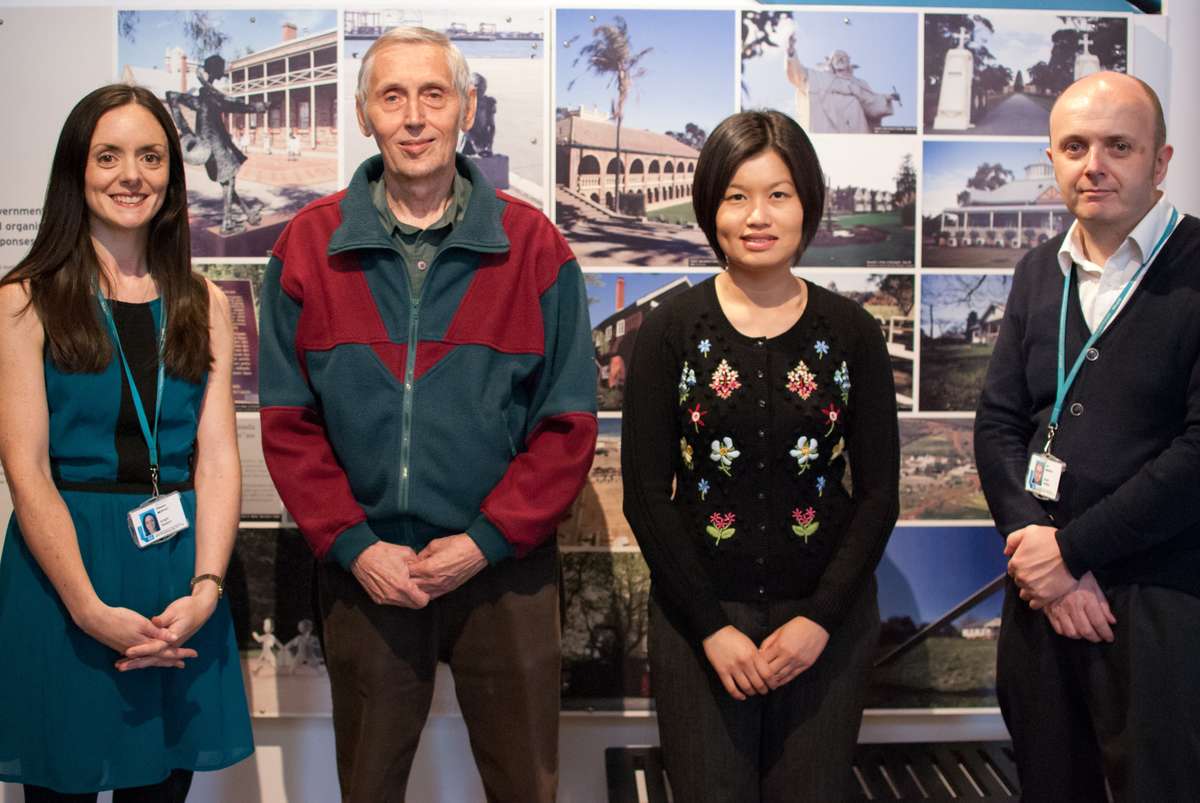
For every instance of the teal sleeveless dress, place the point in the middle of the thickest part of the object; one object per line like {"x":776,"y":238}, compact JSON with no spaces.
{"x":68,"y":719}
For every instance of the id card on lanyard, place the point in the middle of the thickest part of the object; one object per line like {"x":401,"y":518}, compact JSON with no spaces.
{"x":161,"y":516}
{"x":1045,"y":471}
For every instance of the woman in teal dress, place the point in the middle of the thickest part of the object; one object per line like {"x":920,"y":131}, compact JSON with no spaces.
{"x":120,"y":669}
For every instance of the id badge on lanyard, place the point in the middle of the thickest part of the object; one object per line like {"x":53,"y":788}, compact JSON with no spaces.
{"x":161,"y":516}
{"x":1045,"y":471}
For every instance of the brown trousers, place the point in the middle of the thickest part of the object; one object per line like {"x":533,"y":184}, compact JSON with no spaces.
{"x":499,"y":633}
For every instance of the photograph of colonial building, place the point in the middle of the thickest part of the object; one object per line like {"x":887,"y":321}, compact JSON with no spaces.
{"x":254,"y":97}
{"x":623,"y":176}
{"x":960,"y":321}
{"x":987,"y":203}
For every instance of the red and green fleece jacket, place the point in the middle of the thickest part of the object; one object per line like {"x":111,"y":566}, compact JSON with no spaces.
{"x":468,"y":408}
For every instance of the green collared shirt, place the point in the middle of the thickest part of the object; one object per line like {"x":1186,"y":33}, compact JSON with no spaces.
{"x":417,"y":246}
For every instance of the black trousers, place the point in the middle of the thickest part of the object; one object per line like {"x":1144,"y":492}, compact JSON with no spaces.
{"x":174,"y":789}
{"x":1129,"y":712}
{"x":794,"y":744}
{"x":499,"y":632}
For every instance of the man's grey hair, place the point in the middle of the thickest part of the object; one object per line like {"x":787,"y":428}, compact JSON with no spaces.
{"x":412,"y":35}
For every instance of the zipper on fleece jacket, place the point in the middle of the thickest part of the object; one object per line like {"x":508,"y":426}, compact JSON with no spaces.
{"x":410,"y":368}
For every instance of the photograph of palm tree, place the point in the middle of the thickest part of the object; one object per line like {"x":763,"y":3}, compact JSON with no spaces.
{"x":633,"y":108}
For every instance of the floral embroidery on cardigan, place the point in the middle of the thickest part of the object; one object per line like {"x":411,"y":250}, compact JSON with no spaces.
{"x":801,"y":381}
{"x":696,"y":416}
{"x":822,"y":348}
{"x":806,"y":523}
{"x":805,"y":452}
{"x":821,"y":485}
{"x":724,"y":380}
{"x":685,"y":449}
{"x":841,"y":378}
{"x":704,"y":347}
{"x":832,"y":413}
{"x":703,"y":487}
{"x":687,"y":381}
{"x":723,"y":454}
{"x":721,"y":526}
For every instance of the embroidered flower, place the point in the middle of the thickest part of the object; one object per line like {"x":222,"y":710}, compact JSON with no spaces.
{"x":687,"y":381}
{"x":686,"y":450}
{"x":724,"y":380}
{"x":800,"y":381}
{"x":821,"y":485}
{"x":721,"y":526}
{"x":723,"y":454}
{"x":806,"y":523}
{"x":705,"y":346}
{"x":805,"y":452}
{"x":696,"y":415}
{"x":837,"y":450}
{"x":822,"y":348}
{"x":703,"y":487}
{"x":841,"y":378}
{"x":832,"y":413}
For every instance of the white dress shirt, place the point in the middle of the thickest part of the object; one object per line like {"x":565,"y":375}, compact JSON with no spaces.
{"x":1099,"y":285}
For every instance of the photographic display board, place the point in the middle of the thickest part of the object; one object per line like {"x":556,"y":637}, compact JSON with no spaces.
{"x":931,"y":129}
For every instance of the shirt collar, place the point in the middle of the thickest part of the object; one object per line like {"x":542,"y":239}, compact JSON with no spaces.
{"x":460,"y":196}
{"x":1137,"y":245}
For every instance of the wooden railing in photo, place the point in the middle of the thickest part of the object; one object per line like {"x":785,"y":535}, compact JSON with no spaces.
{"x":982,"y":771}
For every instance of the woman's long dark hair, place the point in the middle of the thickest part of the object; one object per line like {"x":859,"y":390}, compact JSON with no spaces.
{"x":62,"y":268}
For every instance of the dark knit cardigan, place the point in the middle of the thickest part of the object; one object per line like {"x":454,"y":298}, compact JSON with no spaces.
{"x":734,"y":449}
{"x":1130,"y":429}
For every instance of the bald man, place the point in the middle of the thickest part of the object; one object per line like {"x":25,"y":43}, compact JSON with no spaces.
{"x":1092,"y":469}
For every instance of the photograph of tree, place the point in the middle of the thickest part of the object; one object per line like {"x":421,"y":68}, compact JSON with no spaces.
{"x":937,"y":648}
{"x":505,"y":50}
{"x":889,"y":298}
{"x":254,"y":97}
{"x":596,"y":518}
{"x":999,"y":74}
{"x":604,"y":623}
{"x":830,"y":71}
{"x":870,"y":204}
{"x":984,"y":204}
{"x":633,"y":105}
{"x":960,"y":321}
{"x":938,"y":478}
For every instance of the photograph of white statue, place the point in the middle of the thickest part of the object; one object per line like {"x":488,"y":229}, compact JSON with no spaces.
{"x":829,"y":71}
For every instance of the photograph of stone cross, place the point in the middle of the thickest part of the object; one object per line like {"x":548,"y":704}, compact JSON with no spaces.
{"x":999,"y":74}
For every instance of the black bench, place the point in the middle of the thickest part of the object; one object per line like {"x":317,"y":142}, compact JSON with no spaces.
{"x":982,"y":771}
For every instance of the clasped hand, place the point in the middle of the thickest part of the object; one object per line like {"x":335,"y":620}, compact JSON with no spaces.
{"x":155,"y":641}
{"x":1075,"y":609}
{"x":745,"y":669}
{"x":396,"y":575}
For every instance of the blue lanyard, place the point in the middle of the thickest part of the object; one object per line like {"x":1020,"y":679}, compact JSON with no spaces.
{"x":151,"y":435}
{"x":1066,"y":380}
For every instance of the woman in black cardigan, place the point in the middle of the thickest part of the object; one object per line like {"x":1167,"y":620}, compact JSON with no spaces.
{"x":746,"y":397}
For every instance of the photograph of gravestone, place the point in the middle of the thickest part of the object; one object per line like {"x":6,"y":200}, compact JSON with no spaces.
{"x":596,"y":518}
{"x":604,"y":622}
{"x":960,"y":321}
{"x":633,"y":108}
{"x":889,"y":299}
{"x":940,"y":599}
{"x":870,"y":203}
{"x":241,"y":283}
{"x":999,"y":74}
{"x":984,"y":204}
{"x":832,"y":71}
{"x":254,"y":97}
{"x":938,"y":478}
{"x":505,"y":50}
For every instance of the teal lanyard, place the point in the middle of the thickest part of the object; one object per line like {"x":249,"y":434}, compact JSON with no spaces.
{"x":150,"y":434}
{"x":1065,"y":380}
